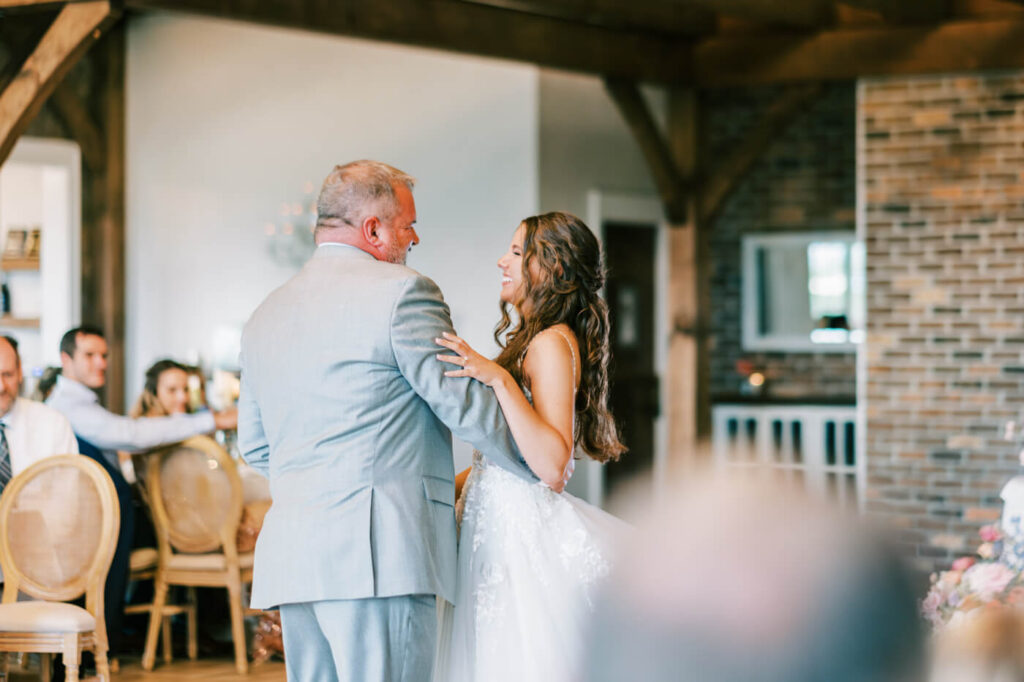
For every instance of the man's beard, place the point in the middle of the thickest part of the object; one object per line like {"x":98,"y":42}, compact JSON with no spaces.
{"x":396,"y":255}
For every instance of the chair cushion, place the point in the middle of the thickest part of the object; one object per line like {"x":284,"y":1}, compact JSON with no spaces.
{"x":143,"y":558}
{"x":206,"y":562}
{"x":45,"y":616}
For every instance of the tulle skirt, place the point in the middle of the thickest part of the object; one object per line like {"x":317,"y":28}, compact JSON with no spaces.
{"x":529,"y":563}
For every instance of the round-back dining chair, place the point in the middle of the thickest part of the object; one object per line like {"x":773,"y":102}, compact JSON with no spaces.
{"x":59,"y":521}
{"x":196,"y":496}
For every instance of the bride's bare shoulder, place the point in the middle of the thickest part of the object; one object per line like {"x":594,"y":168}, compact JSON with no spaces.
{"x":551,"y":350}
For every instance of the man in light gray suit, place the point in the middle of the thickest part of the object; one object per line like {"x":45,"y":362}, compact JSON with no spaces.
{"x":347,"y":411}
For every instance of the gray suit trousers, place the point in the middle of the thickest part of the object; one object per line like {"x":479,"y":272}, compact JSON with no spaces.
{"x":380,"y":639}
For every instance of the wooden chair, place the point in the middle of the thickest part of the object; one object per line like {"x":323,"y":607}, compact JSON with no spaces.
{"x":196,"y":497}
{"x":143,"y":564}
{"x":59,"y":521}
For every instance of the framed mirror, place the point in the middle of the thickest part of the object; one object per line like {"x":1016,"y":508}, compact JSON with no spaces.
{"x":803,"y":292}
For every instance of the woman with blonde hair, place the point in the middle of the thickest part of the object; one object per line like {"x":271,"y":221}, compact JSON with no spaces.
{"x":165,"y":391}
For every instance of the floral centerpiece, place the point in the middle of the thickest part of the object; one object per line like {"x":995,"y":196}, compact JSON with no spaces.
{"x":996,"y":577}
{"x":987,"y":581}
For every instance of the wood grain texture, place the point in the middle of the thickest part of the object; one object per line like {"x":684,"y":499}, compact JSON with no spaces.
{"x":73,"y":31}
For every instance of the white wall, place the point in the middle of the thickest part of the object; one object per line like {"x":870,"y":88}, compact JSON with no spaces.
{"x":227,"y":121}
{"x":585,"y":145}
{"x":40,"y":187}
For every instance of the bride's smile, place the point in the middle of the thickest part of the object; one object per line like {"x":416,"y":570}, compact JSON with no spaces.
{"x":511,"y":265}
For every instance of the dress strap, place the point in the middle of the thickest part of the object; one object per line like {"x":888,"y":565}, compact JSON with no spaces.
{"x":572,"y":353}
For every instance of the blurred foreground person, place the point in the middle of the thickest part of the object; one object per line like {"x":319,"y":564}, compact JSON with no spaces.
{"x":743,"y":581}
{"x":987,"y":648}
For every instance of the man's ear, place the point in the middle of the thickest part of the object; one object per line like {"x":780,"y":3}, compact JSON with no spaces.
{"x":370,"y":228}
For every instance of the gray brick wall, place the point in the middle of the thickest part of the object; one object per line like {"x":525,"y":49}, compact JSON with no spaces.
{"x":943,"y":170}
{"x":805,"y":182}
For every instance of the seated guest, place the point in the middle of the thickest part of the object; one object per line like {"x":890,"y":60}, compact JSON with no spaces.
{"x":29,"y":431}
{"x":196,"y":389}
{"x":46,"y":383}
{"x":83,"y":355}
{"x":165,"y":392}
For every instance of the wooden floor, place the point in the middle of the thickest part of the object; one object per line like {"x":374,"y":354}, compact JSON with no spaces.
{"x":208,"y":670}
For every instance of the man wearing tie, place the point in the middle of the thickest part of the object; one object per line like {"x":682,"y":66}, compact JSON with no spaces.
{"x":29,"y":431}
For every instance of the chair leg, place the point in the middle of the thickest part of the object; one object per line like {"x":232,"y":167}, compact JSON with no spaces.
{"x":166,"y":625}
{"x":45,"y":667}
{"x":156,"y":616}
{"x":102,"y":664}
{"x":193,"y":646}
{"x":237,"y":624}
{"x":71,"y":657}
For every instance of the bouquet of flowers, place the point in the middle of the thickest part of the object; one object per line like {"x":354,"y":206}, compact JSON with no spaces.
{"x":985,"y":582}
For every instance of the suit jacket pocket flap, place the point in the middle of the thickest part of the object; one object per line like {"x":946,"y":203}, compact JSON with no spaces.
{"x":439,"y":490}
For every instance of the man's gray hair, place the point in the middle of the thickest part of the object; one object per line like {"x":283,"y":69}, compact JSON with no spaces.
{"x":359,"y":189}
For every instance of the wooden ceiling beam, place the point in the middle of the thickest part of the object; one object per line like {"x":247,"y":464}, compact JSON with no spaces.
{"x":862,"y":52}
{"x":464,"y":27}
{"x":662,"y":17}
{"x":803,"y":14}
{"x":903,"y":12}
{"x":672,"y":188}
{"x":19,"y":4}
{"x":73,"y":31}
{"x":18,"y":37}
{"x":79,"y":124}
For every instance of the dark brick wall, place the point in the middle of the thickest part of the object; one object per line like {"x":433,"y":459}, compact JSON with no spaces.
{"x":943,"y":172}
{"x":806,"y":181}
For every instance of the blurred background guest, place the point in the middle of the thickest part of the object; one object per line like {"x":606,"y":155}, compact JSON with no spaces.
{"x":29,"y":430}
{"x":165,"y":392}
{"x":101,"y":434}
{"x":736,"y":581}
{"x":47,"y":380}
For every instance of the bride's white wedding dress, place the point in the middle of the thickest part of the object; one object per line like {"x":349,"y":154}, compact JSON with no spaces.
{"x":529,"y":562}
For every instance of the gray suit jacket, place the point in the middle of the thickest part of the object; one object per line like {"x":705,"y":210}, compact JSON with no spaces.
{"x":345,"y":408}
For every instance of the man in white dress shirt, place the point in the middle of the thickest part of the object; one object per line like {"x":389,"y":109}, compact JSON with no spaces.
{"x":29,"y":431}
{"x":101,"y":433}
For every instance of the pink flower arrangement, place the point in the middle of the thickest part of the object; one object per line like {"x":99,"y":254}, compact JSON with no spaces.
{"x":972,"y":584}
{"x":990,"y":533}
{"x":987,"y":580}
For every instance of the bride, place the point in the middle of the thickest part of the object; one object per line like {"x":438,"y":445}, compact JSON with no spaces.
{"x":530,"y":556}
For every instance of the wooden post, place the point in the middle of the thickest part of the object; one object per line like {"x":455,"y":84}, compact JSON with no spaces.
{"x":689,"y":300}
{"x":103,"y":212}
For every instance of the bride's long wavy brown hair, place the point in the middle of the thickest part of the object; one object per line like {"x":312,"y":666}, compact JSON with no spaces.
{"x":565,"y":290}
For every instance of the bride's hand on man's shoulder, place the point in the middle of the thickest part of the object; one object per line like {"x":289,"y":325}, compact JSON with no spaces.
{"x":468,"y":362}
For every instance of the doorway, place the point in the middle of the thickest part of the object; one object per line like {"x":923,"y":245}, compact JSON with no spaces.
{"x":631,"y":228}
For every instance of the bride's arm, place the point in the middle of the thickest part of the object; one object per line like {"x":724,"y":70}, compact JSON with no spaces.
{"x":543,"y":431}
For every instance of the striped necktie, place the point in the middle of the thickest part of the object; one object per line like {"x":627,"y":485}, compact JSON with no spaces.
{"x":5,"y":457}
